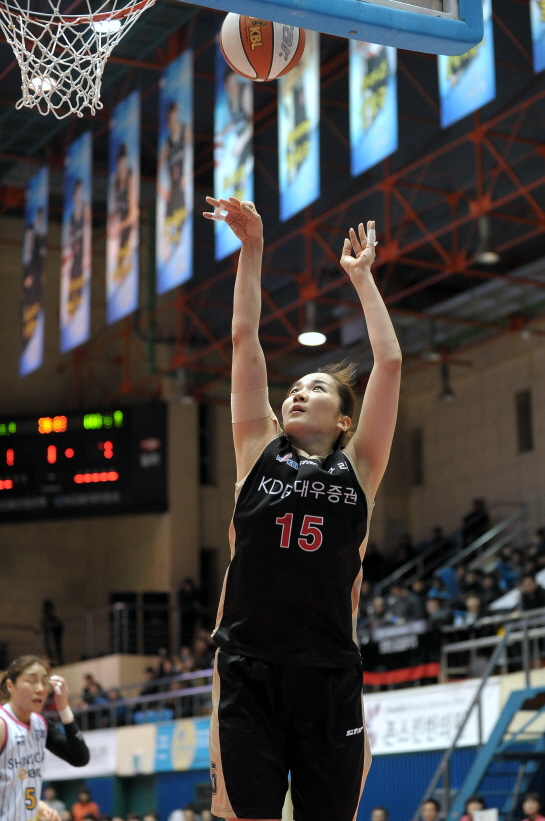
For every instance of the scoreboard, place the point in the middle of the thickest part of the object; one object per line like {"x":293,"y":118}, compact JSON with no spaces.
{"x":71,"y":464}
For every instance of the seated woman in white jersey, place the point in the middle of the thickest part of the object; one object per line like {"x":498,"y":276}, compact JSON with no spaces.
{"x":287,"y":694}
{"x":25,"y":735}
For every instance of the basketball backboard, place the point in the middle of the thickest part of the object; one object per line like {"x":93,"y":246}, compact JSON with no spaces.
{"x":433,"y":26}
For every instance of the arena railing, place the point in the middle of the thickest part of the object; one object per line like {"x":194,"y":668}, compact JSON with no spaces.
{"x":527,"y":630}
{"x":191,"y":698}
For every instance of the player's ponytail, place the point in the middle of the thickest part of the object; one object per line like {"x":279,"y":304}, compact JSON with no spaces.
{"x":345,"y":374}
{"x":16,"y":668}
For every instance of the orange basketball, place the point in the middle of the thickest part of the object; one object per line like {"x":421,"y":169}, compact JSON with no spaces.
{"x":258,"y":49}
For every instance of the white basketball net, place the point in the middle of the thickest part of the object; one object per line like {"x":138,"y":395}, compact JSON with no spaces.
{"x":62,"y":56}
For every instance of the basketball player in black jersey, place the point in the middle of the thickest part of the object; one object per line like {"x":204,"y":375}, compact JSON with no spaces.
{"x":76,"y":229}
{"x":124,"y":214}
{"x":287,"y":694}
{"x":173,"y":157}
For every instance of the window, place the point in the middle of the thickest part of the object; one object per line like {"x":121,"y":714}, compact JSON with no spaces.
{"x":525,"y":434}
{"x":206,"y":445}
{"x":417,"y":456}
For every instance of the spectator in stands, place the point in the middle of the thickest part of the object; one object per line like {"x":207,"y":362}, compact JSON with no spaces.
{"x":203,"y":653}
{"x":504,"y":569}
{"x":187,"y":814}
{"x":532,"y":595}
{"x":50,"y":798}
{"x":206,"y":815}
{"x":491,"y":590}
{"x":152,"y":815}
{"x":85,"y":806}
{"x":93,"y":695}
{"x":431,"y":810}
{"x":475,"y":523}
{"x":471,"y":583}
{"x":404,"y":605}
{"x":379,"y":814}
{"x":531,"y":807}
{"x":150,"y":687}
{"x":374,"y":564}
{"x":117,"y":712}
{"x":438,"y":613}
{"x":473,"y":803}
{"x":473,"y":611}
{"x":52,"y":629}
{"x":517,"y":561}
{"x":377,"y":616}
{"x":190,"y":607}
{"x":438,"y":590}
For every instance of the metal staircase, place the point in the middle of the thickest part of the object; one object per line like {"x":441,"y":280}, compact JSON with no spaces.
{"x":509,"y":761}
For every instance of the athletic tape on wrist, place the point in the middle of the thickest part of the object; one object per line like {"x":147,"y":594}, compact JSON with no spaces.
{"x":245,"y":407}
{"x":67,"y":716}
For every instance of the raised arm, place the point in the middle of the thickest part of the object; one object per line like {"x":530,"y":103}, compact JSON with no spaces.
{"x":253,"y":426}
{"x":371,"y":443}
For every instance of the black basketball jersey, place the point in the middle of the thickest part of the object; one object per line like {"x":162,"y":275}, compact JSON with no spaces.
{"x":298,"y":534}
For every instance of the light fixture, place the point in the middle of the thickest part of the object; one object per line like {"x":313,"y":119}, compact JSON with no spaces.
{"x":446,"y":394}
{"x":310,"y":336}
{"x":484,"y":254}
{"x":42,"y":84}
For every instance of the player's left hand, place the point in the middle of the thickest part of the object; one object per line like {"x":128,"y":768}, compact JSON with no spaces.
{"x":363,"y":246}
{"x":46,"y":813}
{"x":60,"y":691}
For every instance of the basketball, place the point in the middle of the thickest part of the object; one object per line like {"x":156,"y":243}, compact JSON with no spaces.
{"x":258,"y":49}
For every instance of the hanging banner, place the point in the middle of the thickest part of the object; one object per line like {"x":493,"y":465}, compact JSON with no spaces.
{"x":537,"y":17}
{"x":75,"y":312}
{"x":373,"y":104}
{"x":233,"y":146}
{"x":34,"y":251}
{"x":123,"y":212}
{"x":174,"y":242}
{"x":298,"y":131}
{"x":468,"y":81}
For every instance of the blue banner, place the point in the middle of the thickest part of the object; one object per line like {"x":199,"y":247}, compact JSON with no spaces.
{"x":123,"y":211}
{"x":468,"y":81}
{"x":174,"y":243}
{"x":75,"y":313}
{"x":233,"y":146}
{"x":537,"y":17}
{"x":34,"y":251}
{"x":299,"y":131}
{"x":373,"y":104}
{"x":183,"y":745}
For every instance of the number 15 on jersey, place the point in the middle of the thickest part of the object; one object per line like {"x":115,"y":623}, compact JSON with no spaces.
{"x":310,"y":535}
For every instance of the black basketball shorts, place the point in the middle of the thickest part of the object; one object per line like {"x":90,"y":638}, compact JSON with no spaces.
{"x":269,"y":720}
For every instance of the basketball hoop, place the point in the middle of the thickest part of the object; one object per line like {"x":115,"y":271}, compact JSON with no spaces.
{"x":62,"y":55}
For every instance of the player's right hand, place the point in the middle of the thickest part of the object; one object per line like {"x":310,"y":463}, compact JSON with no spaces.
{"x":46,"y":813}
{"x":241,"y":217}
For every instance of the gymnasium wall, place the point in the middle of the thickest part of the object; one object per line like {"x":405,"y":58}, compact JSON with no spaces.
{"x":470,"y":444}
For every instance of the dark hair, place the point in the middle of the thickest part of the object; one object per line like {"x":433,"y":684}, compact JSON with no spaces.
{"x":172,"y":106}
{"x":17,"y":668}
{"x":533,"y":796}
{"x":475,"y":799}
{"x":121,"y":151}
{"x":435,"y":803}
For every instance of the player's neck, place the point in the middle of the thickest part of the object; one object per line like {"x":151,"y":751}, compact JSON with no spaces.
{"x":21,"y":715}
{"x":313,"y":444}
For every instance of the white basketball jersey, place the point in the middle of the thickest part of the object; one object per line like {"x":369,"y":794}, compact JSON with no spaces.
{"x":21,"y":764}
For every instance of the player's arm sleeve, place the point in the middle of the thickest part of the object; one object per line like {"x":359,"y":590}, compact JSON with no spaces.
{"x":252,"y":405}
{"x":70,"y":745}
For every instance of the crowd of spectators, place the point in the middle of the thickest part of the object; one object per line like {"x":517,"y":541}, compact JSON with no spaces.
{"x":160,"y":680}
{"x":430,"y":810}
{"x":453,"y":598}
{"x":85,"y":809}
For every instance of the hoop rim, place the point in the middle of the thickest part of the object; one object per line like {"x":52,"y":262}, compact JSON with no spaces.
{"x":77,"y":19}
